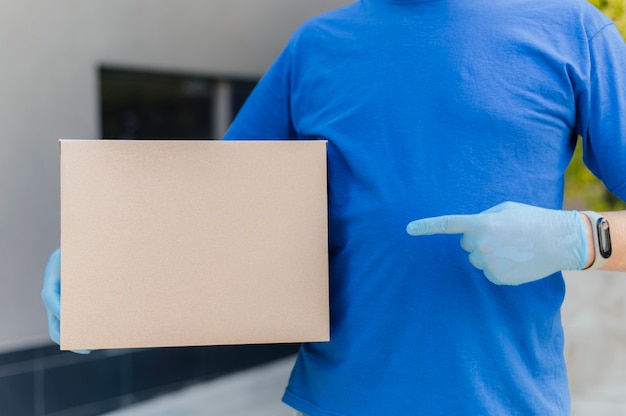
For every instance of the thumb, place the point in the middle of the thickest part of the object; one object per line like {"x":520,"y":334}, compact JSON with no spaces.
{"x":447,"y":224}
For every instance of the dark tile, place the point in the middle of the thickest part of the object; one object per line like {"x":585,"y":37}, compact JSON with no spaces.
{"x":69,"y":386}
{"x":93,"y":409}
{"x":225,"y":359}
{"x":158,"y":367}
{"x":17,"y":395}
{"x":79,"y":385}
{"x":14,"y":357}
{"x":51,"y":350}
{"x":50,"y":358}
{"x":100,"y":408}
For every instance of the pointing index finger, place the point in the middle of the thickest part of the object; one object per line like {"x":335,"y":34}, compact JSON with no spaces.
{"x":446,"y":224}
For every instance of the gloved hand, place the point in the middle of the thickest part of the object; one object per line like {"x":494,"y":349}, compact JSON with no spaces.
{"x":51,"y":296}
{"x":514,"y":243}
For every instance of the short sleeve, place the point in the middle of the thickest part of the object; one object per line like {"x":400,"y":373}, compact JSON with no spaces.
{"x":602,"y":110}
{"x":266,"y":114}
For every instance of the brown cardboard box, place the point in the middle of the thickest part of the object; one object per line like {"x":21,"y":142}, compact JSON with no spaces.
{"x":181,"y":243}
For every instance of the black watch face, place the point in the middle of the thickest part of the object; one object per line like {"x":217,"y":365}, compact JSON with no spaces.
{"x":604,"y":238}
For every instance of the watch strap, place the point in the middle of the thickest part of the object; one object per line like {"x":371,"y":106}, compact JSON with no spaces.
{"x":601,"y":239}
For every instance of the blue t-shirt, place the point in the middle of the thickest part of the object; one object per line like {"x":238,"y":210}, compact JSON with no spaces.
{"x":438,"y":107}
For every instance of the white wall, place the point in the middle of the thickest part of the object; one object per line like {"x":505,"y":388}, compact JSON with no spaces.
{"x":49,"y":54}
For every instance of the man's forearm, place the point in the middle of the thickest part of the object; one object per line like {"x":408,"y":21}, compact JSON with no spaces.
{"x":617,"y":222}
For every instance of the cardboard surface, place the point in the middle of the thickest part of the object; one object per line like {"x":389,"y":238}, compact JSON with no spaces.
{"x":181,"y":243}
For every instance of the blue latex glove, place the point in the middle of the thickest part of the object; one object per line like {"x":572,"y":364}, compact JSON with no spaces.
{"x":514,"y":243}
{"x":51,"y":296}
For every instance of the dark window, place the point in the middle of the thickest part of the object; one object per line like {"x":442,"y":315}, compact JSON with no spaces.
{"x":153,"y":105}
{"x":240,"y":90}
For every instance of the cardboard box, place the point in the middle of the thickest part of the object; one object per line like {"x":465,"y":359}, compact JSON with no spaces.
{"x":183,"y":243}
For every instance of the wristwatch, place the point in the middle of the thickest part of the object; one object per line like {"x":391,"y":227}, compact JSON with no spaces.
{"x":601,"y":238}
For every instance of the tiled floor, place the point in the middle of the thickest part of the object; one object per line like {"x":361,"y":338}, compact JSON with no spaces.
{"x":44,"y":381}
{"x":255,"y":392}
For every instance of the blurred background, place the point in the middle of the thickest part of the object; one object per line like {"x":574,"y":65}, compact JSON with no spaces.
{"x":160,"y":69}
